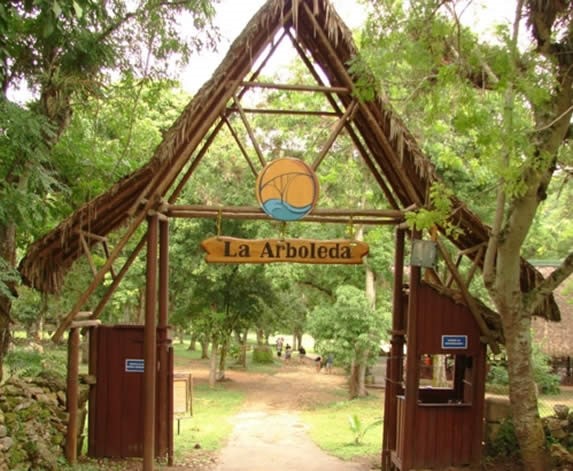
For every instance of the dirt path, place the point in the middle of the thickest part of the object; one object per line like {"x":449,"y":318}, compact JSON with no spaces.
{"x":268,"y":431}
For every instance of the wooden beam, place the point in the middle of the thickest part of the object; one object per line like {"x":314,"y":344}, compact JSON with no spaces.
{"x":475,"y":264}
{"x":241,"y":146}
{"x":250,"y":131}
{"x":296,"y":88}
{"x":85,"y":323}
{"x":106,"y":252}
{"x":372,"y":122}
{"x":117,"y":279}
{"x":56,"y":337}
{"x":91,"y":235}
{"x":229,"y":210}
{"x":224,"y":91}
{"x":334,"y":134}
{"x":88,"y":253}
{"x":316,"y":219}
{"x":234,"y":108}
{"x":353,"y":135}
{"x":179,"y":188}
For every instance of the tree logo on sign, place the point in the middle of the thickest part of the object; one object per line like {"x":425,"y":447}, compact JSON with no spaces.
{"x":287,"y":189}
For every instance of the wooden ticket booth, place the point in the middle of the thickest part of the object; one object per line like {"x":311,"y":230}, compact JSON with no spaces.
{"x":116,"y":399}
{"x":431,"y":425}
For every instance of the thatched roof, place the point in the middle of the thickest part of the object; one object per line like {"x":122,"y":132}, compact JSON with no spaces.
{"x":556,"y":338}
{"x":390,"y":151}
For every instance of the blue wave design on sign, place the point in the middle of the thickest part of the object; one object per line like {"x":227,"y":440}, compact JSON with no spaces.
{"x":283,"y":211}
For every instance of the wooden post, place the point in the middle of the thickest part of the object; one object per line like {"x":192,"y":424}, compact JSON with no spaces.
{"x":165,"y":421}
{"x":72,"y":395}
{"x":149,"y":346}
{"x":412,"y":363}
{"x":163,"y":273}
{"x":394,"y":364}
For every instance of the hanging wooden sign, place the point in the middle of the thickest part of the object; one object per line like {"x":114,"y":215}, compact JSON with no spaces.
{"x":233,"y":250}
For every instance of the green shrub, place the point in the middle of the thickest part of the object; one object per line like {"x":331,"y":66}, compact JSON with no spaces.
{"x":359,"y":429}
{"x":262,"y":354}
{"x":505,"y":441}
{"x":547,"y":381}
{"x":24,"y":362}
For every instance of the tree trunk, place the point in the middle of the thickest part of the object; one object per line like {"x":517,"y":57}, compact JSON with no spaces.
{"x":242,"y":340}
{"x":356,"y":381}
{"x":260,"y":336}
{"x":523,"y":393}
{"x":213,"y":361}
{"x":193,"y":341}
{"x":353,"y":383}
{"x":204,"y":347}
{"x":223,"y":359}
{"x":362,"y":391}
{"x":8,"y":253}
{"x":516,"y":321}
{"x":439,"y":377}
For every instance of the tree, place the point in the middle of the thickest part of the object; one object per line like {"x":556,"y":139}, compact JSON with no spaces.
{"x":503,"y":112}
{"x":351,"y":330}
{"x":64,"y":53}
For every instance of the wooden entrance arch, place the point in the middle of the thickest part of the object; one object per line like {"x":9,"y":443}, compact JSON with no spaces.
{"x":149,"y":195}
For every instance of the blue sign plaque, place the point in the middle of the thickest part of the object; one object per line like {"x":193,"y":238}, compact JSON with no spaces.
{"x":134,"y":365}
{"x":455,"y":341}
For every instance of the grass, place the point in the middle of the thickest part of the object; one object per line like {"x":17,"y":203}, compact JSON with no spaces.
{"x":210,"y":425}
{"x":331,"y":431}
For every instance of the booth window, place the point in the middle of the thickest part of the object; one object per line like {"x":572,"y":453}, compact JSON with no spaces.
{"x":446,"y":379}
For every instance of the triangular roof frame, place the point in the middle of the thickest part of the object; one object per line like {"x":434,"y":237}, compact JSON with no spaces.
{"x":319,"y":35}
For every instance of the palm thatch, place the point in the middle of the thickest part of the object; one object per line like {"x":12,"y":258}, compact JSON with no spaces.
{"x":391,"y":152}
{"x":556,"y":338}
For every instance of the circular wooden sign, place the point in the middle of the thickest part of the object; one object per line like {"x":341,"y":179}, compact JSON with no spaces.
{"x":287,"y":189}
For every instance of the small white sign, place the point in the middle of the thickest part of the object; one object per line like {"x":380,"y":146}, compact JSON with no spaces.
{"x":134,"y":365}
{"x":455,"y":342}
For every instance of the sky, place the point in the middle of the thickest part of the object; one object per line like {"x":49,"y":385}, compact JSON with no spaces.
{"x":233,"y":15}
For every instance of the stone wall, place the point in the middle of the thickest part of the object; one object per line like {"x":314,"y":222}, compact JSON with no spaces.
{"x":33,"y":422}
{"x":558,"y":428}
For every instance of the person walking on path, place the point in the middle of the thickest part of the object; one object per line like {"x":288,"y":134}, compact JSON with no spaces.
{"x":288,"y":352}
{"x":329,"y":362}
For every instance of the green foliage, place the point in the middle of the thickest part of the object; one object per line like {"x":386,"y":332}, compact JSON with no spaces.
{"x":27,"y":307}
{"x":210,"y":425}
{"x":437,"y":214}
{"x":348,"y":327}
{"x":262,"y":354}
{"x":329,"y":427}
{"x":8,"y":276}
{"x":504,"y":442}
{"x":23,"y":363}
{"x":547,"y":381}
{"x":359,"y":429}
{"x":26,"y":181}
